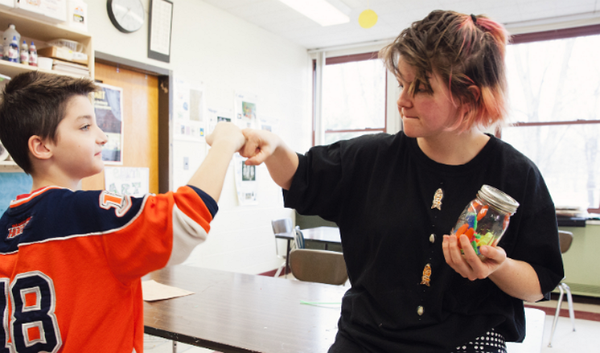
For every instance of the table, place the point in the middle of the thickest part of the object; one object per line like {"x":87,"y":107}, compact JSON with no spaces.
{"x":326,"y":235}
{"x":235,"y":312}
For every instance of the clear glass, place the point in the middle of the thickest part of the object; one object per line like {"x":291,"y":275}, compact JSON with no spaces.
{"x":482,"y":222}
{"x":568,"y":158}
{"x":331,"y":137}
{"x":558,"y":81}
{"x":354,"y":95}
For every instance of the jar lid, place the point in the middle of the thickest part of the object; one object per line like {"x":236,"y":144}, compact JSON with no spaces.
{"x":498,"y":199}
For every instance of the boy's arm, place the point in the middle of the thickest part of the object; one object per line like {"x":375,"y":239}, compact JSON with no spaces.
{"x":225,"y":140}
{"x":264,"y":146}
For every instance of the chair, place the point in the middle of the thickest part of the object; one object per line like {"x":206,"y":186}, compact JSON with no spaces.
{"x":281,"y":226}
{"x":320,"y":266}
{"x":566,"y":238}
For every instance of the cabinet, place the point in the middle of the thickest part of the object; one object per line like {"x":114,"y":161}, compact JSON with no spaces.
{"x":40,"y":32}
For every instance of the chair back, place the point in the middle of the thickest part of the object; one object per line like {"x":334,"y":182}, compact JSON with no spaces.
{"x":282,"y":226}
{"x":565,"y":238}
{"x":298,"y":238}
{"x":320,"y":266}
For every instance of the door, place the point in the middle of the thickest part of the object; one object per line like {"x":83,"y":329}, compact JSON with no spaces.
{"x":140,"y":120}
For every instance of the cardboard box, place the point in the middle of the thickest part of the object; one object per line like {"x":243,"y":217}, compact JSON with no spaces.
{"x":63,"y":54}
{"x":7,"y":4}
{"x":54,"y":11}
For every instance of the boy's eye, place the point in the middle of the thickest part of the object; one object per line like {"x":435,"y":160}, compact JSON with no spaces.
{"x":85,"y":127}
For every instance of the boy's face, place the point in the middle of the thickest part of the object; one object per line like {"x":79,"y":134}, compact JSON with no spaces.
{"x":77,"y":150}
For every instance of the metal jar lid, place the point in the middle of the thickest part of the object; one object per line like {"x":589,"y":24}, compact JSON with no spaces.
{"x":498,"y":199}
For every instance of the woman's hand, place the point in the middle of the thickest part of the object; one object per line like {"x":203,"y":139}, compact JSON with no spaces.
{"x":470,"y":265}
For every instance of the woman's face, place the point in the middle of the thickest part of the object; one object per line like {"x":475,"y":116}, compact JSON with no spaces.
{"x":426,"y":113}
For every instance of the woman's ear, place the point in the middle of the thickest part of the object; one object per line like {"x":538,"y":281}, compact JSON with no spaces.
{"x":38,"y":148}
{"x":471,"y":99}
{"x":475,"y":93}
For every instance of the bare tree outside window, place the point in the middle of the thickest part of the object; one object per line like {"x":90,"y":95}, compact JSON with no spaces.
{"x":554,"y":92}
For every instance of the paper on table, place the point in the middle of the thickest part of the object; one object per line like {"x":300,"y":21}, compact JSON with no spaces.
{"x":152,"y":291}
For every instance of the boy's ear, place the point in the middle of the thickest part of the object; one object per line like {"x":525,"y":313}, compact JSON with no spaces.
{"x":38,"y":149}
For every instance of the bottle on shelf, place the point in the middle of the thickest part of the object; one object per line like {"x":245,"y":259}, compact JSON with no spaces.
{"x":24,"y":53}
{"x":13,"y":51}
{"x":33,"y":57}
{"x":7,"y":39}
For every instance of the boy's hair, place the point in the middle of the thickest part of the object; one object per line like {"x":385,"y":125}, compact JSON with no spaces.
{"x":464,"y":51}
{"x":34,"y":103}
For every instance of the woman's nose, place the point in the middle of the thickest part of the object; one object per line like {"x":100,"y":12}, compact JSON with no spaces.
{"x":404,"y":100}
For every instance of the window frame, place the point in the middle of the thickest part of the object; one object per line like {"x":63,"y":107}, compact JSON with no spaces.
{"x":341,"y":60}
{"x":551,"y":35}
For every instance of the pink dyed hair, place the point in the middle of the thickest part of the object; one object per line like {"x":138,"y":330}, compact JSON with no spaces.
{"x":465,"y":51}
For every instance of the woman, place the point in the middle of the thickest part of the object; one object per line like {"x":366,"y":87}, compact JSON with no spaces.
{"x":396,"y":198}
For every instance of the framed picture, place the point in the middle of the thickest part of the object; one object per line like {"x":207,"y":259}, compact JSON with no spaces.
{"x":108,"y":107}
{"x":159,"y":33}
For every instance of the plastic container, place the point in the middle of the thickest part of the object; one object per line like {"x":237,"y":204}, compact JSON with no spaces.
{"x":13,"y":51}
{"x":24,"y":53}
{"x":486,"y":217}
{"x":33,"y":57}
{"x":7,"y":39}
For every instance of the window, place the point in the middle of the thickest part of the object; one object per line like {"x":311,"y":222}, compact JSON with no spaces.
{"x":354,"y":96}
{"x":554,"y":93}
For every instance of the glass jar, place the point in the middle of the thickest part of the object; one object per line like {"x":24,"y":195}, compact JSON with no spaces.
{"x":486,"y":217}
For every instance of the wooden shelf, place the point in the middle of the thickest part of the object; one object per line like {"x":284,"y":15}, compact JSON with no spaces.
{"x":41,"y":32}
{"x":9,"y":167}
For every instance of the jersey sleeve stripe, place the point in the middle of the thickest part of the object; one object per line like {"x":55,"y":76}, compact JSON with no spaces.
{"x":186,"y":235}
{"x":210,"y":203}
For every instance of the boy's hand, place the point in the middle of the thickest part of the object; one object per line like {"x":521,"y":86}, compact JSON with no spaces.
{"x":260,"y":145}
{"x":228,"y":133}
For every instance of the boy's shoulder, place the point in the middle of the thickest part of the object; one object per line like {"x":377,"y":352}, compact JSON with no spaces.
{"x":54,"y":212}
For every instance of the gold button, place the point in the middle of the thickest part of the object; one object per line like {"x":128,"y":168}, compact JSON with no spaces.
{"x":420,"y":310}
{"x":432,"y":238}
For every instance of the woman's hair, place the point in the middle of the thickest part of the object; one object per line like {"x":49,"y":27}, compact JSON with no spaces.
{"x":464,"y":50}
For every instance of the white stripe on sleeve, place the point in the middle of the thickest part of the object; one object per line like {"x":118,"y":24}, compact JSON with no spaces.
{"x":186,"y":235}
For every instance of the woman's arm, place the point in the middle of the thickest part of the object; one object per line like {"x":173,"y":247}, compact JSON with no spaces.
{"x":264,"y":146}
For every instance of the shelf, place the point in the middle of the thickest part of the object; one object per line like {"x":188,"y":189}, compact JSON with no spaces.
{"x":9,"y":167}
{"x":42,"y":32}
{"x":38,"y":29}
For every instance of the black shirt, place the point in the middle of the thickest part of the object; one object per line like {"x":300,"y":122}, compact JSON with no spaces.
{"x":379,"y":190}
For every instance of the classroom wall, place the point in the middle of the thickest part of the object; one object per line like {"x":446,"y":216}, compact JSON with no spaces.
{"x":227,"y":55}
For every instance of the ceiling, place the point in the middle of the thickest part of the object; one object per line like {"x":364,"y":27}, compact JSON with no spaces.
{"x":395,"y":15}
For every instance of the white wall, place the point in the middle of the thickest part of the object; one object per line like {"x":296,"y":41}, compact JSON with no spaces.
{"x":229,"y":55}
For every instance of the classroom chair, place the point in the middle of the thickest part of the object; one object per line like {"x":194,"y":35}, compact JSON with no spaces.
{"x":320,"y":266}
{"x":566,"y":238}
{"x":283,"y":225}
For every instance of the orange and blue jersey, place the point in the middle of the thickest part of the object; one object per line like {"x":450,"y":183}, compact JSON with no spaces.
{"x":71,"y":264}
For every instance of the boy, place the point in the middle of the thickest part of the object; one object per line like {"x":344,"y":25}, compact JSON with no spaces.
{"x":71,"y":261}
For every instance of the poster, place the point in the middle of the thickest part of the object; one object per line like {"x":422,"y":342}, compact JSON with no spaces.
{"x":108,"y":107}
{"x":127,"y":181}
{"x":245,"y":181}
{"x":215,"y":116}
{"x":189,"y":111}
{"x":245,"y":111}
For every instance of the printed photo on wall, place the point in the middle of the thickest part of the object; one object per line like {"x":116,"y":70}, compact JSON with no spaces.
{"x":245,"y":181}
{"x":245,"y":111}
{"x":108,"y":107}
{"x":188,"y":110}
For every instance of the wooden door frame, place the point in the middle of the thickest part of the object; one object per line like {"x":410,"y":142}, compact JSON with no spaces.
{"x":165,"y":110}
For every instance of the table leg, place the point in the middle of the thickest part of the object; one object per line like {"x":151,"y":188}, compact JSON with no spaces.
{"x":287,"y":257}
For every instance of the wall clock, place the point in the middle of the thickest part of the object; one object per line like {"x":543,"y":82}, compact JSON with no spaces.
{"x":126,"y":15}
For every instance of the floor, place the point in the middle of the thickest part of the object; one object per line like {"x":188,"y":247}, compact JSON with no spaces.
{"x":586,"y":338}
